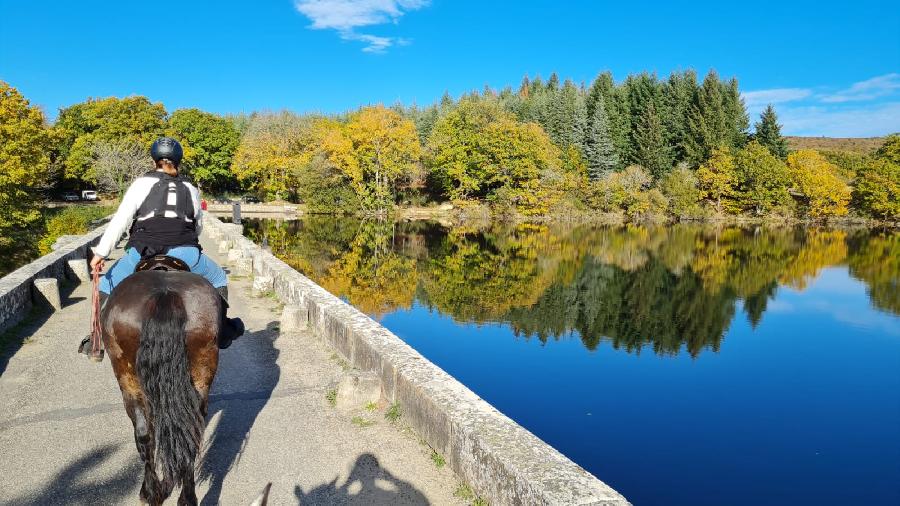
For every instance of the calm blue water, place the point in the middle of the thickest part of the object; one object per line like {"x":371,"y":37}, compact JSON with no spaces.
{"x":678,"y":365}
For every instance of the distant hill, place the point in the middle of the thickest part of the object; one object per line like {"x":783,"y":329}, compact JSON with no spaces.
{"x":862,"y":145}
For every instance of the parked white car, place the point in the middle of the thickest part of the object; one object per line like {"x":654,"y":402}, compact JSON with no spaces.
{"x":88,"y":195}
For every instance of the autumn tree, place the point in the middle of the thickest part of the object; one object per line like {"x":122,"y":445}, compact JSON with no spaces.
{"x":209,"y":142}
{"x":274,"y":149}
{"x":24,"y":160}
{"x":681,"y":188}
{"x":386,"y":150}
{"x":825,"y":192}
{"x":717,"y":178}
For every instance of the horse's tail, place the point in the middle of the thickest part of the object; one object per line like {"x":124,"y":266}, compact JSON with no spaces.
{"x":164,"y":373}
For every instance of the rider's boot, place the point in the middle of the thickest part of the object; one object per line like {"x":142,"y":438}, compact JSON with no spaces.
{"x":85,"y":346}
{"x":232,"y":328}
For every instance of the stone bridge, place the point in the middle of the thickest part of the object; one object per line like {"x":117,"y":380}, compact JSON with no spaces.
{"x":317,"y":398}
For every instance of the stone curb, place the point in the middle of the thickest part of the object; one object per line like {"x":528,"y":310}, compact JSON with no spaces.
{"x":501,"y":460}
{"x":16,"y":297}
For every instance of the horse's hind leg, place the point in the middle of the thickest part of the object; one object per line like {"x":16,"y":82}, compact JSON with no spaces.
{"x":143,"y":440}
{"x":188,"y":495}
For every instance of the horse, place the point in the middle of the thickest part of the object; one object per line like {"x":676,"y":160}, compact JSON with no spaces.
{"x":160,"y":327}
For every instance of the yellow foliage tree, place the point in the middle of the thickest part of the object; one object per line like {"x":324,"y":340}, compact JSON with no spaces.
{"x":716,"y":179}
{"x":827,"y":194}
{"x":24,"y":144}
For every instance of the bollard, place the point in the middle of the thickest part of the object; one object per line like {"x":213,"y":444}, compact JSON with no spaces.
{"x":294,"y":319}
{"x":47,"y":290}
{"x":78,"y":269}
{"x":262,"y":284}
{"x":236,"y":213}
{"x":357,"y":389}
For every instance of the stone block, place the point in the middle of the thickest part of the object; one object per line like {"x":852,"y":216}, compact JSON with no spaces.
{"x":262,"y":284}
{"x":357,"y":389}
{"x":244,"y":266}
{"x":46,"y":290}
{"x":294,"y":319}
{"x":235,"y":254}
{"x":78,"y":269}
{"x":224,"y":247}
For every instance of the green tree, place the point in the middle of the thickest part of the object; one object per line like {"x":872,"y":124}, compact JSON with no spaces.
{"x":650,"y":149}
{"x":679,"y":93}
{"x":109,"y":119}
{"x":601,"y":154}
{"x":707,"y":125}
{"x":768,"y":133}
{"x":877,"y":189}
{"x":762,"y":179}
{"x":210,"y":142}
{"x":24,"y":161}
{"x":680,"y":187}
{"x":736,"y":120}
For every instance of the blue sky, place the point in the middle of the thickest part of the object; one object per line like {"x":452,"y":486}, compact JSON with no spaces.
{"x":831,"y":68}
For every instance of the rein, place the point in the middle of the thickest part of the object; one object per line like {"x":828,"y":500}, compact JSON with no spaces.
{"x":96,"y":338}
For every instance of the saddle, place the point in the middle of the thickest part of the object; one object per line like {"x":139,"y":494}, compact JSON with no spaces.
{"x":161,"y":263}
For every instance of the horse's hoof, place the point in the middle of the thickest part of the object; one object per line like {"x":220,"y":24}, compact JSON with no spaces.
{"x":96,"y":358}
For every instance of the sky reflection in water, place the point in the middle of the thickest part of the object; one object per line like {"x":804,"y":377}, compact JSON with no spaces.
{"x":681,"y":365}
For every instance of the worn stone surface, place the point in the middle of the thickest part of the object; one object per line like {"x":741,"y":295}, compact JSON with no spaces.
{"x":358,"y":389}
{"x":501,"y":460}
{"x":46,"y":291}
{"x":78,"y":269}
{"x":65,"y":437}
{"x":262,"y":285}
{"x":294,"y":319}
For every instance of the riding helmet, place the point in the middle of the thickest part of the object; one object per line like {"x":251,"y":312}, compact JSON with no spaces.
{"x":168,"y":148}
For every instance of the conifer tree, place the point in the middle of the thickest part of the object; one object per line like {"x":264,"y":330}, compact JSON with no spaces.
{"x":707,"y":126}
{"x":679,"y":93}
{"x":553,"y":82}
{"x":650,"y":149}
{"x":768,"y":133}
{"x":736,"y":120}
{"x":601,"y":154}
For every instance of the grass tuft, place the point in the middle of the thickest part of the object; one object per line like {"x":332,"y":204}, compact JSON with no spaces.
{"x":331,"y":397}
{"x":360,"y":421}
{"x":438,"y":459}
{"x":393,"y":413}
{"x":371,"y":406}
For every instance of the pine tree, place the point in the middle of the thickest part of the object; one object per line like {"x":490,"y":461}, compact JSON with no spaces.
{"x":707,"y":126}
{"x":650,"y":149}
{"x":601,"y":154}
{"x":736,"y":120}
{"x":580,"y":124}
{"x":678,"y":94}
{"x":553,"y":82}
{"x":768,"y":133}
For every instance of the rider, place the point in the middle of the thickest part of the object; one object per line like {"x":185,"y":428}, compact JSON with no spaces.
{"x":163,"y":215}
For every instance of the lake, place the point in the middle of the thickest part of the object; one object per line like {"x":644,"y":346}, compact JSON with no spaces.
{"x":680,"y":365}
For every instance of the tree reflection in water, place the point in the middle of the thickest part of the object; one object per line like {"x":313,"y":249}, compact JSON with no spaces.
{"x":665,"y":288}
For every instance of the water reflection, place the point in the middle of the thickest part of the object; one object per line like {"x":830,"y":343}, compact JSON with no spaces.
{"x":664,"y":288}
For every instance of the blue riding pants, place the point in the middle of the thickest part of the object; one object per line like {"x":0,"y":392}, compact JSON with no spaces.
{"x":191,"y":255}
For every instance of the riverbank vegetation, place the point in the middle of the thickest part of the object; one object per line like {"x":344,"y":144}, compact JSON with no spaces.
{"x":642,"y":148}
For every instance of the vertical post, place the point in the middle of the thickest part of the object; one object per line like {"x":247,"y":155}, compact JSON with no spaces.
{"x":236,"y":213}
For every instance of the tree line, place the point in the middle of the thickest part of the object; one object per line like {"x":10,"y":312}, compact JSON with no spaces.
{"x":639,"y":148}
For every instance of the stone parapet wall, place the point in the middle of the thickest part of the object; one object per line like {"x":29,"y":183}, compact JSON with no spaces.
{"x":16,"y":293}
{"x":501,"y":460}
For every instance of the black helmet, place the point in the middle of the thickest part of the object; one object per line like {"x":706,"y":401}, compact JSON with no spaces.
{"x":168,"y":148}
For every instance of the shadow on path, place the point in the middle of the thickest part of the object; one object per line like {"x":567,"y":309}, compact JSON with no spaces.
{"x":74,"y":484}
{"x":12,"y":339}
{"x":368,"y":483}
{"x":252,"y":363}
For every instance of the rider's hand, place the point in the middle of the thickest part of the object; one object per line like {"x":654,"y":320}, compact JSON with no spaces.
{"x":97,"y":263}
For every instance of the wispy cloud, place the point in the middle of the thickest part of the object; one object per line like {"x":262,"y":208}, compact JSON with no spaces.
{"x":774,"y":96}
{"x":869,"y":89}
{"x":865,"y":109}
{"x":346,"y":16}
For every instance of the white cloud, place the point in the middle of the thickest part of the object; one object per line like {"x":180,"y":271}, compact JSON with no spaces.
{"x":346,"y":16}
{"x":869,"y":89}
{"x":861,"y":121}
{"x":774,"y":96}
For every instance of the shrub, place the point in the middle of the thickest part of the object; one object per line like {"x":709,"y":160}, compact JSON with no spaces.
{"x":680,"y":188}
{"x":74,"y":220}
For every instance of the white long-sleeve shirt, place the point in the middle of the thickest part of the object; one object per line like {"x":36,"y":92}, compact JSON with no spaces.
{"x":131,"y":202}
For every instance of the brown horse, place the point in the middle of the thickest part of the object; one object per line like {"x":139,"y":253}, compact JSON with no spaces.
{"x":160,"y":330}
